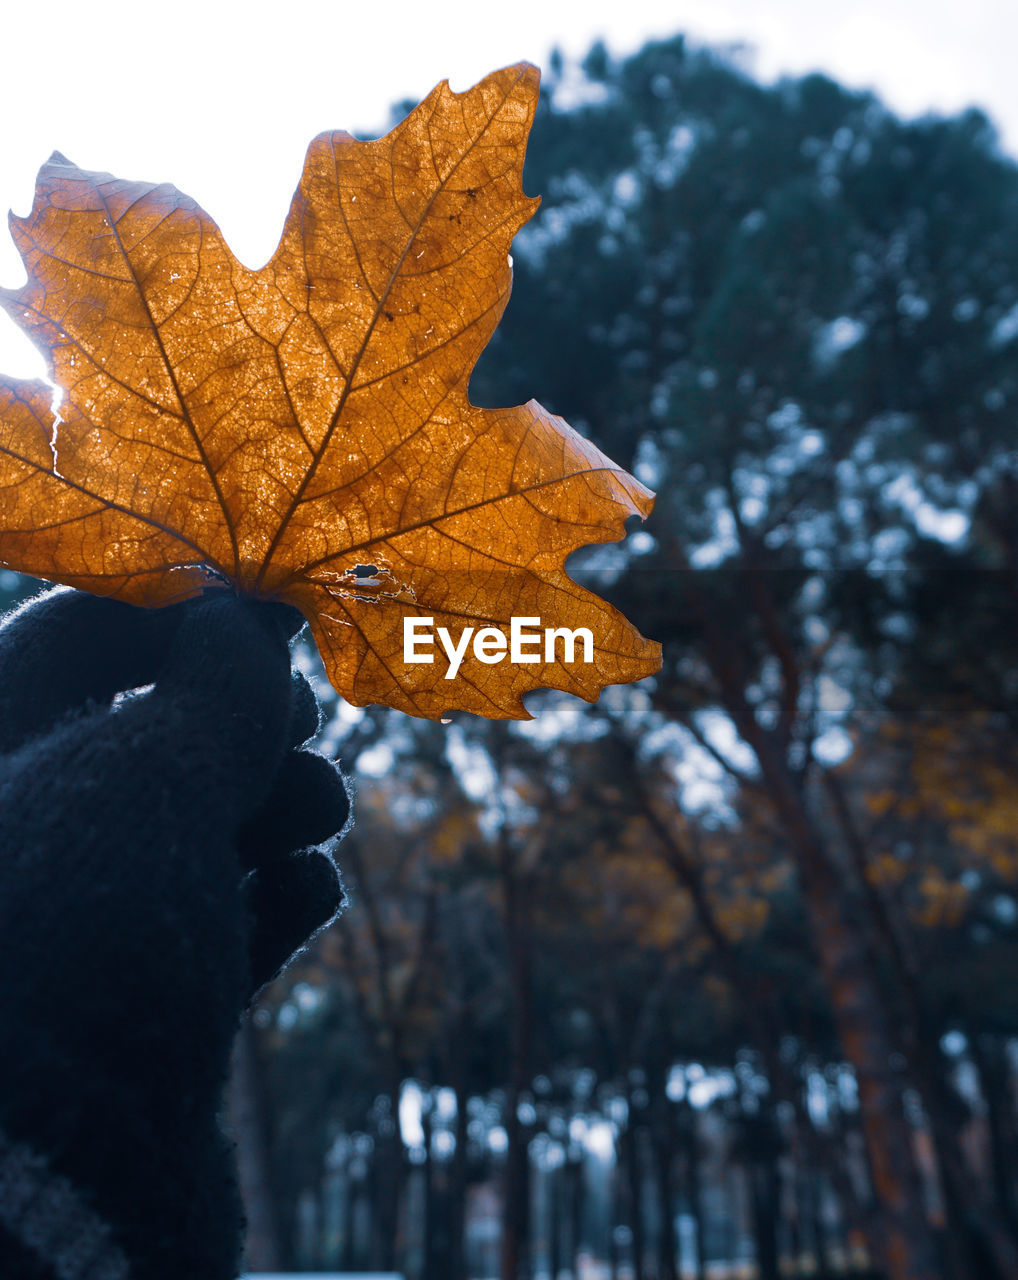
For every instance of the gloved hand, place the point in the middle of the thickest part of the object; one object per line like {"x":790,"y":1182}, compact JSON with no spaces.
{"x":155,"y":870}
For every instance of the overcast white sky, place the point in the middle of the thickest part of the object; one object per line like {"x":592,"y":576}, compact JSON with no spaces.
{"x":222,"y":98}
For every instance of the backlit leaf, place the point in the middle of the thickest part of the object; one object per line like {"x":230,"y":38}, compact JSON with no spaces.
{"x":303,"y":432}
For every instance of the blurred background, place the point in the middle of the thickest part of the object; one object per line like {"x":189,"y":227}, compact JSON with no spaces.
{"x":716,"y":977}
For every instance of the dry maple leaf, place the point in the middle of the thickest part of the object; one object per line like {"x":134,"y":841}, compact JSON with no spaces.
{"x":303,"y":431}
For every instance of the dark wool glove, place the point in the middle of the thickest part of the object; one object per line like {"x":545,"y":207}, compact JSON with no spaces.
{"x":155,"y":870}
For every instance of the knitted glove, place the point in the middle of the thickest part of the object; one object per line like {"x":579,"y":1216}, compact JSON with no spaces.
{"x":155,"y":870}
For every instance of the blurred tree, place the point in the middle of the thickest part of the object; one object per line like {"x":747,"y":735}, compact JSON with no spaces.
{"x":796,"y":315}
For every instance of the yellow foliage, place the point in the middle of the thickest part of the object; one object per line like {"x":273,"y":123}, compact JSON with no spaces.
{"x":879,"y":802}
{"x":886,"y":869}
{"x":944,"y":901}
{"x":743,"y":919}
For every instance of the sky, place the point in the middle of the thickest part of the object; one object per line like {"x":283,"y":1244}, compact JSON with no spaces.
{"x":221,"y":98}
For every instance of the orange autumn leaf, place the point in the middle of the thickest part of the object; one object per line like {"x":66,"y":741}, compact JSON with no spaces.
{"x":303,"y":431}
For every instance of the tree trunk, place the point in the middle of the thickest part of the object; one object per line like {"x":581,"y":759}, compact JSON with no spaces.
{"x":630,"y":1153}
{"x":458,"y":1191}
{"x":690,"y":1146}
{"x":388,"y":1170}
{"x":811,"y":1198}
{"x":662,"y":1138}
{"x":765,"y":1209}
{"x":555,"y":1190}
{"x":904,"y":1238}
{"x":989,"y":1056}
{"x":430,"y":1268}
{"x":516,"y":1207}
{"x":618,"y":1197}
{"x":515,"y":1262}
{"x":973,"y":1228}
{"x":347,"y":1257}
{"x":577,"y":1205}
